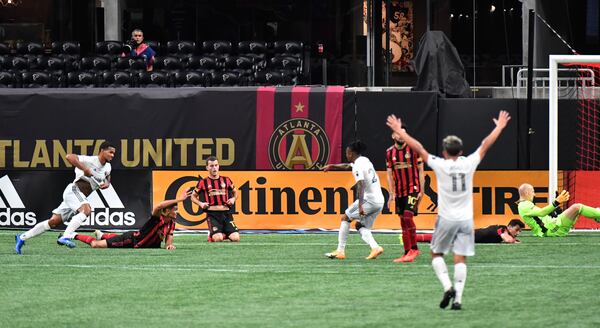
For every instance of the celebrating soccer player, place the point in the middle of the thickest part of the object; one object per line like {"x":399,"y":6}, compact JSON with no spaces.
{"x":157,"y":229}
{"x":405,"y":177}
{"x":365,"y":209}
{"x":454,"y":226}
{"x":543,"y":222}
{"x":91,"y":173}
{"x":216,"y":194}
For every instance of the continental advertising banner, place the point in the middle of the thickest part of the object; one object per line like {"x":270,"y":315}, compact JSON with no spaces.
{"x":316,"y":200}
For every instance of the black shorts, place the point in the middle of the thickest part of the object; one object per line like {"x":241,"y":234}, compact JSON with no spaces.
{"x":126,"y":240}
{"x":407,"y":203}
{"x":220,"y":222}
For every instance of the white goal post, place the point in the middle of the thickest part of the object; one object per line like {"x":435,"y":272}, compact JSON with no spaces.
{"x":553,"y":114}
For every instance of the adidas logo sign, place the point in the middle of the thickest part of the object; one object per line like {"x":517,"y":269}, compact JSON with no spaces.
{"x":108,"y":209}
{"x":12,"y":209}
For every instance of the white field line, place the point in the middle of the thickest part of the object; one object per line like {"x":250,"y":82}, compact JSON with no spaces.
{"x":257,"y":268}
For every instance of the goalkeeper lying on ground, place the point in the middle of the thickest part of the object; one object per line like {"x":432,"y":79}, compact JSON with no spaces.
{"x":542,"y":222}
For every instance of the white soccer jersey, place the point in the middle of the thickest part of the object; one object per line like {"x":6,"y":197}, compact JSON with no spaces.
{"x":99,"y":171}
{"x":455,"y":185}
{"x":362,"y":169}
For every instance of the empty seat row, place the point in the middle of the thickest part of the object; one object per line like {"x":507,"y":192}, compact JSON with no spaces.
{"x":180,"y":48}
{"x":87,"y":79}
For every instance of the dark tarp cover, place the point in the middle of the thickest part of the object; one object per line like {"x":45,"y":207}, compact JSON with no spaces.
{"x":438,"y":66}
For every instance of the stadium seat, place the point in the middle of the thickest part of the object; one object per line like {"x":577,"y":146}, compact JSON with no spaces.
{"x":4,"y":49}
{"x":168,"y":63}
{"x":226,"y":78}
{"x":81,"y":79}
{"x":189,"y":79}
{"x":252,"y":47}
{"x":154,"y":79}
{"x":71,"y":48}
{"x":206,"y":63}
{"x":96,"y":64}
{"x":52,"y":65}
{"x":216,"y":47}
{"x":30,"y":48}
{"x":130,"y":64}
{"x":17,"y":63}
{"x":269,"y":78}
{"x":36,"y":79}
{"x":115,"y":79}
{"x":243,"y":65}
{"x":181,"y":48}
{"x":288,"y":48}
{"x":109,"y":48}
{"x":8,"y":80}
{"x":286,"y":62}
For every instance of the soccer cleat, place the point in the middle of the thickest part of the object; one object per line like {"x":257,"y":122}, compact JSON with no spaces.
{"x":412,"y":254}
{"x":340,"y":255}
{"x":18,"y":243}
{"x":402,"y":259}
{"x":64,"y":241}
{"x":448,"y":295}
{"x":374,"y":253}
{"x":456,"y":306}
{"x":98,"y":234}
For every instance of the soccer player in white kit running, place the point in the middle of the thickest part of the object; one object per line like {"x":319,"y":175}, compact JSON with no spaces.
{"x":454,"y":225}
{"x":368,"y":205}
{"x":91,"y":173}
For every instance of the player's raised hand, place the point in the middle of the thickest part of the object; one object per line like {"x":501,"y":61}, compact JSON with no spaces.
{"x":563,"y":196}
{"x":502,"y":119}
{"x":394,"y":123}
{"x":185,"y":194}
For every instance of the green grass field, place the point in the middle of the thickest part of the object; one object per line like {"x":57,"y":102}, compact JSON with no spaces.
{"x":277,"y":280}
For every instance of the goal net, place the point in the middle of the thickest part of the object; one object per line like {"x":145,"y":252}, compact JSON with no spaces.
{"x":583,"y":183}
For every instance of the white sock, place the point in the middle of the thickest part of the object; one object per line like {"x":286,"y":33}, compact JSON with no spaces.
{"x":367,"y":236}
{"x":460,"y":276}
{"x":343,"y":235}
{"x":76,"y":221}
{"x":38,"y":229}
{"x":441,"y":271}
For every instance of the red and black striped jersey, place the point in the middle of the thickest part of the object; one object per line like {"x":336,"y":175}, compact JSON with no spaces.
{"x":404,"y":163}
{"x":215,"y":191}
{"x":153,"y":232}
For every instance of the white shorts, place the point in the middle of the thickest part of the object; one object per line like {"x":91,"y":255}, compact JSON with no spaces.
{"x":458,"y":235}
{"x":371,"y":212}
{"x":72,"y":201}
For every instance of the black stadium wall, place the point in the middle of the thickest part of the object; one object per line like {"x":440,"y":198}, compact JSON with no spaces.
{"x":247,"y":128}
{"x":179,"y":128}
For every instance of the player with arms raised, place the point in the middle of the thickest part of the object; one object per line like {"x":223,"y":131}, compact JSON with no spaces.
{"x":454,"y":225}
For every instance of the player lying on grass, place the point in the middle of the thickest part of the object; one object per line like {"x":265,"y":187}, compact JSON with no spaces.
{"x":494,"y":234}
{"x":157,"y":229}
{"x":543,"y":222}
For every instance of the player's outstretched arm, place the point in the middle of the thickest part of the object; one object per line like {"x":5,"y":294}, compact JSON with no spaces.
{"x":336,"y":167}
{"x":74,"y":160}
{"x":166,"y":203}
{"x":501,"y":122}
{"x":396,"y":125}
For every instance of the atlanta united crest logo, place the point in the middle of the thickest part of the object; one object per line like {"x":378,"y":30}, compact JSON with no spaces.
{"x":298,"y":144}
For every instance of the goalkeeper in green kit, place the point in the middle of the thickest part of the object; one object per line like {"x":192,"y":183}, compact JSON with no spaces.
{"x":547,"y":221}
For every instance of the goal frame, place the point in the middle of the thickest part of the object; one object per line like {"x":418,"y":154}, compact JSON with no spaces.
{"x":553,"y":114}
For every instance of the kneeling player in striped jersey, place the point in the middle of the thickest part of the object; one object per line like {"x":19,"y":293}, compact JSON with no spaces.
{"x":157,"y":229}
